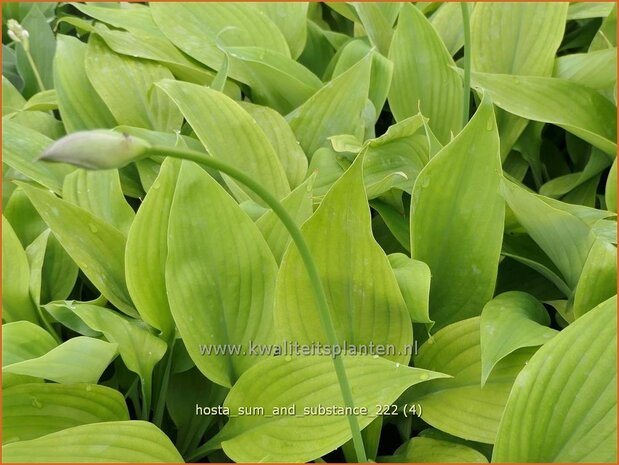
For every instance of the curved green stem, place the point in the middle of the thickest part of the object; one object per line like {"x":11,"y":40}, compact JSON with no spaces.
{"x":308,"y":261}
{"x":466,"y":24}
{"x":35,"y":71}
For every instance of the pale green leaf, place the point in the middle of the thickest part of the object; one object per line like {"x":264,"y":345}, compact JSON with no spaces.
{"x":510,"y":321}
{"x":16,"y":301}
{"x":307,"y":382}
{"x":447,"y":21}
{"x":206,"y":228}
{"x":611,"y":188}
{"x":413,"y":278}
{"x":100,"y":193}
{"x":430,"y":450}
{"x":597,"y":69}
{"x":377,"y":20}
{"x":585,"y":10}
{"x":149,"y":232}
{"x":460,"y":406}
{"x":125,"y":85}
{"x":78,"y":360}
{"x":12,"y":100}
{"x":563,"y":407}
{"x":598,"y":280}
{"x":576,"y":108}
{"x":33,"y":410}
{"x":337,"y":108}
{"x":363,"y":295}
{"x":424,"y":78}
{"x":459,"y":183}
{"x":108,"y":442}
{"x":42,"y":101}
{"x":229,"y":133}
{"x":79,"y":105}
{"x":96,"y":247}
{"x":291,"y":19}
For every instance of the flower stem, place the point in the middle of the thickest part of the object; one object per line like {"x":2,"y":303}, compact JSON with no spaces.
{"x":466,"y":24}
{"x":35,"y":71}
{"x":310,"y":265}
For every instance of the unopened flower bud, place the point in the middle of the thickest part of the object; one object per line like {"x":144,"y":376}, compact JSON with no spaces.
{"x":97,"y":149}
{"x":17,"y":33}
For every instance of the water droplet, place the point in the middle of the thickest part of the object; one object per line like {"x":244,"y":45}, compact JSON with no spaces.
{"x":424,"y":376}
{"x":430,"y":341}
{"x":516,"y":81}
{"x":288,"y":358}
{"x":397,"y":365}
{"x":36,"y":403}
{"x":156,"y":186}
{"x":93,"y":228}
{"x":89,"y":388}
{"x":424,"y":182}
{"x":374,"y":356}
{"x":490,"y":124}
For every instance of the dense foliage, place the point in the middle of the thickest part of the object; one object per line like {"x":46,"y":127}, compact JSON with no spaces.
{"x":447,"y":175}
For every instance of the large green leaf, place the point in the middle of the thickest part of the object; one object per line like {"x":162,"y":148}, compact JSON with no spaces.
{"x":16,"y":301}
{"x":33,"y":410}
{"x":509,"y":322}
{"x":125,"y":84}
{"x":564,"y":237}
{"x":21,"y":145}
{"x":149,"y":232}
{"x":431,"y":450}
{"x":79,"y":104}
{"x":413,"y":278}
{"x":229,"y":133}
{"x":96,"y":247}
{"x":517,"y":38}
{"x":216,"y":300}
{"x":337,"y":108}
{"x":363,"y":295}
{"x":275,"y":80}
{"x":563,"y":407}
{"x":139,"y":349}
{"x":597,"y":69}
{"x":377,"y":20}
{"x":101,"y":194}
{"x":447,"y":21}
{"x":195,"y":28}
{"x":291,"y":19}
{"x":460,"y":406}
{"x":598,"y":280}
{"x":108,"y":442}
{"x":459,"y":183}
{"x":424,"y":76}
{"x":78,"y":360}
{"x":303,"y":383}
{"x":283,"y":141}
{"x":574,"y":107}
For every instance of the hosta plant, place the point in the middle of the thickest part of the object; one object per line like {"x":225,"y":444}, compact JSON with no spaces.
{"x":296,"y":232}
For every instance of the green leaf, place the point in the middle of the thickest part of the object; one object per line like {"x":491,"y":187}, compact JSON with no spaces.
{"x":377,"y":20}
{"x":195,"y":28}
{"x":16,"y":301}
{"x":275,"y":80}
{"x":129,"y":17}
{"x":115,"y":441}
{"x":460,"y":406}
{"x":24,"y":219}
{"x":431,"y":450}
{"x":124,"y":84}
{"x":149,"y":232}
{"x":337,"y":108}
{"x":138,"y":348}
{"x":597,"y":69}
{"x":229,"y":133}
{"x":78,"y":360}
{"x":299,"y":205}
{"x":413,"y":278}
{"x":307,"y":382}
{"x":101,"y":194}
{"x":291,"y":19}
{"x":21,"y":145}
{"x":282,"y":139}
{"x":564,"y":237}
{"x":12,"y":100}
{"x":567,"y":413}
{"x":447,"y":21}
{"x":23,"y":340}
{"x":576,"y":108}
{"x":79,"y":104}
{"x":96,"y":247}
{"x":598,"y":280}
{"x":585,"y":10}
{"x":62,"y":312}
{"x":509,"y":322}
{"x":33,"y":410}
{"x":611,"y":188}
{"x":43,"y":101}
{"x":363,"y":295}
{"x":459,"y":183}
{"x":424,"y":76}
{"x":206,"y":228}
{"x":42,"y":48}
{"x":52,"y":272}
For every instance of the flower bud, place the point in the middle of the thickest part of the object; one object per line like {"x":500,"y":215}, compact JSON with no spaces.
{"x":17,"y":33}
{"x":96,"y":150}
